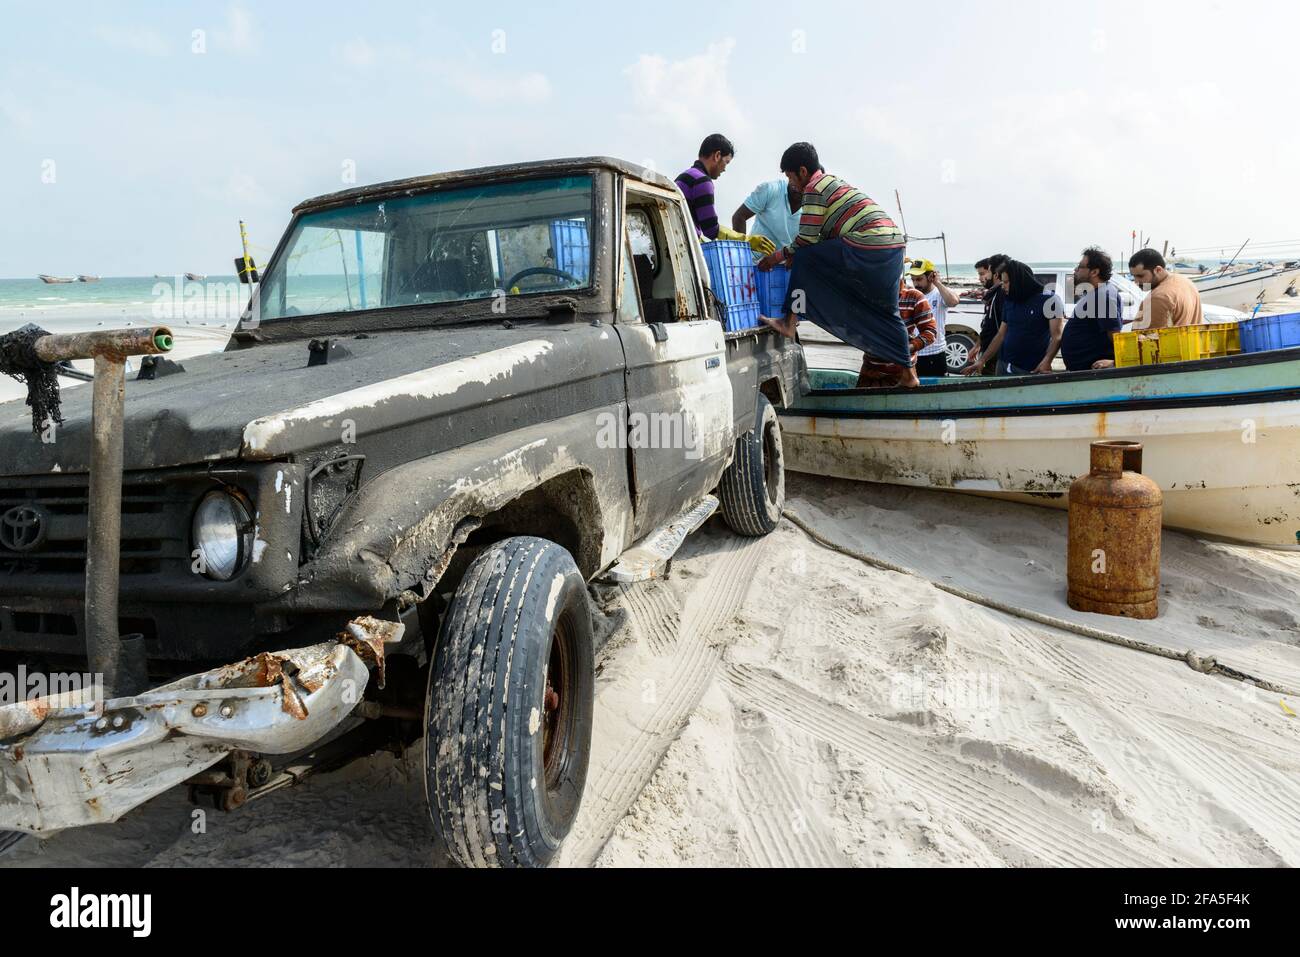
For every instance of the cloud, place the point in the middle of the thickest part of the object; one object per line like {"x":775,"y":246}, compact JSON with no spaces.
{"x":357,"y":52}
{"x":503,"y":88}
{"x":238,"y":35}
{"x":686,"y":96}
{"x":13,"y":110}
{"x":144,"y":40}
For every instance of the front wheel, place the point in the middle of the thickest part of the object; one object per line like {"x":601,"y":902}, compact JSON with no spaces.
{"x":958,"y":349}
{"x":753,"y":486}
{"x":509,"y":707}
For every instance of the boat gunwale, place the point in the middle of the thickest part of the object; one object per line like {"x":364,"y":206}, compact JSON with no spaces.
{"x":1283,"y":393}
{"x":1200,"y":400}
{"x":984,"y":383}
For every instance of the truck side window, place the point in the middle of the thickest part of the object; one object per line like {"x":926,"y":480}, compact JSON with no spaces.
{"x":642,"y":237}
{"x":629,"y":303}
{"x":655,"y":240}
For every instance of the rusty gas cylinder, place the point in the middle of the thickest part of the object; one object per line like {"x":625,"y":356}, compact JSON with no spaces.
{"x":1115,"y":517}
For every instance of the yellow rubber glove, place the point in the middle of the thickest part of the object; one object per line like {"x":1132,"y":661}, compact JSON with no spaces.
{"x":759,"y":244}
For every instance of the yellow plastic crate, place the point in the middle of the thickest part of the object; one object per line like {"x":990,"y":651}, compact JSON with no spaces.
{"x":1224,"y":338}
{"x":1135,"y":348}
{"x":1127,"y":352}
{"x":1182,"y":344}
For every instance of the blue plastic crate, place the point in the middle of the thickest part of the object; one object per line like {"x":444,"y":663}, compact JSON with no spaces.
{"x":772,"y":286}
{"x":571,"y":244}
{"x":731,"y":272}
{"x":742,"y":316}
{"x":1265,"y":333}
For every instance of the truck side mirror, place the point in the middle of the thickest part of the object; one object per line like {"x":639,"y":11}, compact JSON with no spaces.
{"x":246,"y":270}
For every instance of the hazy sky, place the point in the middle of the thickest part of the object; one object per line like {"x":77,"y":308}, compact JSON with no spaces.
{"x":130,"y":144}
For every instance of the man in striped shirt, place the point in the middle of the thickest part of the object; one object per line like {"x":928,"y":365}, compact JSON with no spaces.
{"x":846,"y":264}
{"x":696,"y":184}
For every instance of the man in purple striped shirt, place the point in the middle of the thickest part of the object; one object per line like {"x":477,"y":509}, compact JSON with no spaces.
{"x":696,"y":183}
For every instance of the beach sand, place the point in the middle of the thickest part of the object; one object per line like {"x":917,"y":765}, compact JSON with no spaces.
{"x":778,"y":703}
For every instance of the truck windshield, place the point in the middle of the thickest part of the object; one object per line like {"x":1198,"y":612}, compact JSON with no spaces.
{"x":452,"y":245}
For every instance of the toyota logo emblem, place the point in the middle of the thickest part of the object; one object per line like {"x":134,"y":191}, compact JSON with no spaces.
{"x":24,"y":528}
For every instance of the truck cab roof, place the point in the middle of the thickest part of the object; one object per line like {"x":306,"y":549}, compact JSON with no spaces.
{"x":508,"y":171}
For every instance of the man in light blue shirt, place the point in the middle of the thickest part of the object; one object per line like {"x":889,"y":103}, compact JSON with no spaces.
{"x":775,"y":205}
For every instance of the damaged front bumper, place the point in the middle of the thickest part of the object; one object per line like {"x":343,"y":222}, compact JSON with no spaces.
{"x":66,"y":762}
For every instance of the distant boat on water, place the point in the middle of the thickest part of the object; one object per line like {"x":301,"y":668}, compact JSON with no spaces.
{"x":55,"y":279}
{"x":87,"y":279}
{"x":195,"y":277}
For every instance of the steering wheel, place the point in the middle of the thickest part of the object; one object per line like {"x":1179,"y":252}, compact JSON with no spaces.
{"x":540,"y":271}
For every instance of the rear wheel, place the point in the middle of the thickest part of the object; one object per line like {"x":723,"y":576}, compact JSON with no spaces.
{"x":752,"y":489}
{"x":509,"y":707}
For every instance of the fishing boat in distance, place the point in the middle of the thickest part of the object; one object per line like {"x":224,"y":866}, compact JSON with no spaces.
{"x":1246,"y":286}
{"x":87,"y":279}
{"x":55,"y":280}
{"x":1221,"y":437}
{"x":195,"y":277}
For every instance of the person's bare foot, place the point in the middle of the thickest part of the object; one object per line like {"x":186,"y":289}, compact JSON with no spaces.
{"x":909,"y":380}
{"x":785,"y":327}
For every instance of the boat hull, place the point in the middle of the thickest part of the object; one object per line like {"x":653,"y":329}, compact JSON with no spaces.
{"x":1228,"y":471}
{"x":1245,"y":290}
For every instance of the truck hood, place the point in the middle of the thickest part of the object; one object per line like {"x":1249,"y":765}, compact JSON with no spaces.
{"x":251,"y":403}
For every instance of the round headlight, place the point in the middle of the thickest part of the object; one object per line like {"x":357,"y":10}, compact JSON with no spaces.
{"x":223,"y":535}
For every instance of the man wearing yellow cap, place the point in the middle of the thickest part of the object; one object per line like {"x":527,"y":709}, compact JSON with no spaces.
{"x":933,"y":359}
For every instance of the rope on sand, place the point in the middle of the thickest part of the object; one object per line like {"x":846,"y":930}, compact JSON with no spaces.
{"x":1203,"y":664}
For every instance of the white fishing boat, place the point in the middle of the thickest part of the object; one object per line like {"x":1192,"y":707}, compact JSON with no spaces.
{"x":56,"y":280}
{"x":87,"y":279}
{"x":195,"y":277}
{"x":1221,"y":437}
{"x":1245,"y":287}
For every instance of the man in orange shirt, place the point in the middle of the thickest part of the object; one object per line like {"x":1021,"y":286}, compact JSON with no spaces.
{"x":1172,"y":300}
{"x":922,"y":331}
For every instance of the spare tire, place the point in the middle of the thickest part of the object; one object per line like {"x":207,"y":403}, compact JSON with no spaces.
{"x":509,"y":707}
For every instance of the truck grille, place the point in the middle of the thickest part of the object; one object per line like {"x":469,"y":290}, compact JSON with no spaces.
{"x":155,"y":525}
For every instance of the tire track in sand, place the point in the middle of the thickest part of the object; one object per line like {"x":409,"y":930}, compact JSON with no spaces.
{"x":1015,"y":816}
{"x":778,"y":827}
{"x":10,"y":840}
{"x":682,"y":671}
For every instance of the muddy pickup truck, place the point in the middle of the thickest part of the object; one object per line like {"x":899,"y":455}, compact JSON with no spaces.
{"x":454,"y":405}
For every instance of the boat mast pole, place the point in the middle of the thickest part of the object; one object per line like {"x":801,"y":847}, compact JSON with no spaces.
{"x":902,"y":220}
{"x":1238,"y":253}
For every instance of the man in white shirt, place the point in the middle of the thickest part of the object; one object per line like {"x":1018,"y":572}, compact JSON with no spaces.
{"x":776,"y":206}
{"x":932,"y":361}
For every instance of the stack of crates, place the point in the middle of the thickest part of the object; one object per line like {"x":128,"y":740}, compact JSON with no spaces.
{"x":1179,"y":344}
{"x":571,"y":245}
{"x":1265,"y":333}
{"x":732,"y":276}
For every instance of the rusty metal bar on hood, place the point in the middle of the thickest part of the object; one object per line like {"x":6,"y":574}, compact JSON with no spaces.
{"x":114,"y":344}
{"x":109,"y":349}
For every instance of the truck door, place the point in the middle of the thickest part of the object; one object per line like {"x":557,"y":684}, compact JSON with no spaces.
{"x":679,"y":397}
